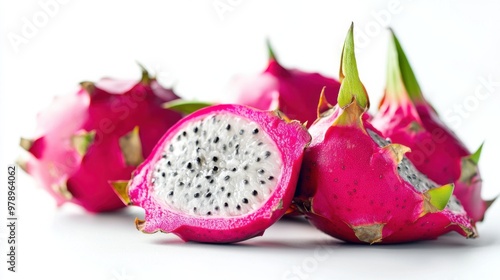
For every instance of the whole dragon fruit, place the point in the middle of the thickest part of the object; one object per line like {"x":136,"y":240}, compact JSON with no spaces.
{"x":292,"y":91}
{"x":407,"y":118}
{"x":100,"y":134}
{"x":222,"y":174}
{"x":358,"y":187}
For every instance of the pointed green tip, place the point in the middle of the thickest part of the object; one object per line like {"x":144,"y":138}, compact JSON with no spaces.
{"x":397,"y":58}
{"x":477,"y":154}
{"x":270,"y":50}
{"x":351,"y":86}
{"x":440,"y":196}
{"x":185,"y":106}
{"x":145,"y":77}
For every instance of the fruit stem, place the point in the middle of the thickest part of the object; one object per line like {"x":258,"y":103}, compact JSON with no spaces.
{"x":351,"y":86}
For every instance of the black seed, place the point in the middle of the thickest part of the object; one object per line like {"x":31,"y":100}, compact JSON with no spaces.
{"x":255,"y":131}
{"x":189,"y":165}
{"x":211,"y":181}
{"x":270,"y":178}
{"x":234,"y":169}
{"x":171,"y":148}
{"x":184,"y":133}
{"x":197,"y":142}
{"x":246,"y":152}
{"x":237,"y":146}
{"x":261,"y":171}
{"x":245,"y":200}
{"x":228,"y":127}
{"x":224,"y":147}
{"x":409,"y":178}
{"x":198,"y":160}
{"x":215,"y":168}
{"x":216,"y":208}
{"x":262,"y":182}
{"x":222,"y":189}
{"x":194,"y":209}
{"x":209,"y":213}
{"x":208,"y":194}
{"x":198,"y":186}
{"x":241,"y":132}
{"x":164,"y":156}
{"x":215,"y":159}
{"x":195,"y":130}
{"x":414,"y":176}
{"x":225,"y":204}
{"x":163,"y":174}
{"x":227,"y":177}
{"x":181,"y":184}
{"x":237,"y":151}
{"x":267,"y":154}
{"x":238,"y":207}
{"x":171,"y":193}
{"x":228,"y":194}
{"x":179,"y":138}
{"x":216,"y":139}
{"x":197,"y":195}
{"x":245,"y":167}
{"x":254,"y":193}
{"x":208,"y":177}
{"x":245,"y":182}
{"x":260,"y":144}
{"x":257,"y":159}
{"x":175,"y":174}
{"x":198,"y":149}
{"x":399,"y":167}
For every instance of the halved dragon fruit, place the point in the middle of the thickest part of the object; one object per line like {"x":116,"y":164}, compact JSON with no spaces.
{"x":292,"y":91}
{"x":97,"y":135}
{"x":407,"y":118}
{"x":222,"y":174}
{"x":359,"y":187}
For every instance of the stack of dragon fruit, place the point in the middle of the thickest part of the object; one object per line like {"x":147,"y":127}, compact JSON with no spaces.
{"x":295,"y":143}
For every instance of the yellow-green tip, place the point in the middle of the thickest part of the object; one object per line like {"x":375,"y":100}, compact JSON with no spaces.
{"x":399,"y":70}
{"x":439,"y":197}
{"x":351,"y":86}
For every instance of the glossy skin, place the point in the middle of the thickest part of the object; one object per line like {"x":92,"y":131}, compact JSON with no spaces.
{"x":290,"y":137}
{"x":347,"y":181}
{"x":435,"y":149}
{"x":112,"y":109}
{"x":294,"y":92}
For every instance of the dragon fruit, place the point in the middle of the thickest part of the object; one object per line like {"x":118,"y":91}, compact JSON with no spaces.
{"x":407,"y":118}
{"x":358,"y":187}
{"x":222,"y":174}
{"x":292,"y":91}
{"x":97,"y":135}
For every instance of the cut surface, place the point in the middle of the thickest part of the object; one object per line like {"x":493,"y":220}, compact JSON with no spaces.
{"x":218,"y":166}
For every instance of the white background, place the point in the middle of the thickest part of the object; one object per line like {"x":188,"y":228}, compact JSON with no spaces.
{"x":452,"y":45}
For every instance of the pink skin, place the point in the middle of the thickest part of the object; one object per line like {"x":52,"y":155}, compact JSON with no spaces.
{"x":347,"y":180}
{"x":294,"y":92}
{"x":113,"y":109}
{"x":291,"y":137}
{"x":436,"y":151}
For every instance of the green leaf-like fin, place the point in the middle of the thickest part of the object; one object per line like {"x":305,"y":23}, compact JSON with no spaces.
{"x":409,"y":79}
{"x":186,"y":106}
{"x":440,"y":196}
{"x":270,"y":51}
{"x":477,"y":154}
{"x":351,"y":87}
